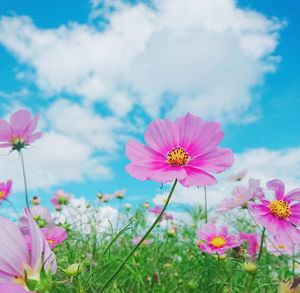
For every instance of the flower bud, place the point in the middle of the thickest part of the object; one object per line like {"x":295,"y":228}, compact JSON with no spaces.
{"x":74,"y":269}
{"x":35,"y":201}
{"x":127,"y":206}
{"x":250,"y":267}
{"x":146,"y":205}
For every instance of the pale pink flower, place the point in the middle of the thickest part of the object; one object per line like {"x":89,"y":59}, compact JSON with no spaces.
{"x":5,"y":189}
{"x":136,"y":240}
{"x":185,"y":150}
{"x":42,"y":216}
{"x":241,"y":196}
{"x":277,"y":248}
{"x":214,"y":240}
{"x":280,"y":216}
{"x":157,"y":211}
{"x":253,"y":243}
{"x":56,"y":236}
{"x":19,"y":132}
{"x":119,"y":193}
{"x":60,"y":198}
{"x":19,"y":255}
{"x":239,"y":176}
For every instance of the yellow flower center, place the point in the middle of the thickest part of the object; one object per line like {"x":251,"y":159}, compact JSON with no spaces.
{"x":50,"y":240}
{"x":239,"y":198}
{"x":281,"y":246}
{"x":144,"y":242}
{"x":218,"y":241}
{"x":280,"y":208}
{"x":178,"y":157}
{"x":2,"y":194}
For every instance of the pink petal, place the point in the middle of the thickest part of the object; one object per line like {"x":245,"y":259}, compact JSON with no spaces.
{"x":136,"y":151}
{"x":162,"y":136}
{"x":278,"y":187}
{"x":34,"y":137}
{"x":9,"y":287}
{"x":5,"y":133}
{"x":287,"y":234}
{"x":189,"y":132}
{"x":59,"y":234}
{"x":215,"y":161}
{"x":5,"y":145}
{"x":293,"y":195}
{"x":197,"y":177}
{"x":295,"y":219}
{"x":19,"y":122}
{"x":295,"y":208}
{"x":207,"y":248}
{"x":223,"y":231}
{"x":258,"y":209}
{"x":32,"y":125}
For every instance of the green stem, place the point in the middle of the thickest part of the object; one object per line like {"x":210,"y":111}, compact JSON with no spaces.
{"x":261,"y":244}
{"x":293,"y":263}
{"x":141,"y":241}
{"x":25,"y":184}
{"x":250,"y":282}
{"x":205,"y":204}
{"x":13,"y":207}
{"x":218,"y":274}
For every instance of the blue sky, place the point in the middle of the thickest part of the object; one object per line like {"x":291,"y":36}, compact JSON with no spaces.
{"x":118,"y":65}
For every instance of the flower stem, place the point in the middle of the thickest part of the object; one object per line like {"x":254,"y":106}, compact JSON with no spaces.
{"x":250,"y":282}
{"x":261,"y":244}
{"x":25,"y":183}
{"x":15,"y":210}
{"x":205,"y":205}
{"x":141,"y":241}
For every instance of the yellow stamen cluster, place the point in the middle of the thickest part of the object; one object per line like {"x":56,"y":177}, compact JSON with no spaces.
{"x":218,"y":241}
{"x":281,"y":246}
{"x":239,"y":198}
{"x":279,"y":208}
{"x":50,"y":240}
{"x":2,"y":194}
{"x":178,"y":157}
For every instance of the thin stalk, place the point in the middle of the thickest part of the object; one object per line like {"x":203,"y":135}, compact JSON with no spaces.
{"x":250,"y":282}
{"x":11,"y":204}
{"x":218,"y":274}
{"x":261,"y":244}
{"x":141,"y":241}
{"x":293,"y":263}
{"x":25,"y":183}
{"x":205,"y":204}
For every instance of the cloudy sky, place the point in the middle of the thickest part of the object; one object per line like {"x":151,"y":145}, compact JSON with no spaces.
{"x":99,"y":71}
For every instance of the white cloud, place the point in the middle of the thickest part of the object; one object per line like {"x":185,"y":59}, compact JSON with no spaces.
{"x":206,"y":55}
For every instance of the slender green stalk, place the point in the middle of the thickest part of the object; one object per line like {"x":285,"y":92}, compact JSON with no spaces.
{"x":250,"y":282}
{"x":205,"y":205}
{"x":261,"y":244}
{"x":13,"y":207}
{"x":141,"y":241}
{"x":293,"y":263}
{"x":218,"y":275}
{"x":25,"y":183}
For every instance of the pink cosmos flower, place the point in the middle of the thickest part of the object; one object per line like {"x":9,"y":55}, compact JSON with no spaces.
{"x":119,"y":193}
{"x":280,"y":215}
{"x":42,"y":216}
{"x":60,"y":198}
{"x":253,"y":243}
{"x":136,"y":240}
{"x":276,"y":248}
{"x":216,"y":240}
{"x":239,"y":176}
{"x":56,"y":236}
{"x":12,"y":288}
{"x":19,"y":132}
{"x":5,"y":189}
{"x":185,"y":150}
{"x":241,"y":196}
{"x":17,"y":257}
{"x":157,"y":211}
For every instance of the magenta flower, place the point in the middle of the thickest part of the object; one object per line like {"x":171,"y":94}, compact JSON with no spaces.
{"x":60,"y":198}
{"x":216,"y":241}
{"x":56,"y":236}
{"x":253,"y":243}
{"x":241,"y":196}
{"x":19,"y":132}
{"x":20,"y":262}
{"x":185,"y":150}
{"x":12,"y":288}
{"x":5,"y":189}
{"x":157,"y":211}
{"x":136,"y":240}
{"x":280,"y":215}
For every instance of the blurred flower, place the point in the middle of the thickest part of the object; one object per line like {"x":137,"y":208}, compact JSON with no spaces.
{"x":136,"y":240}
{"x":280,"y":215}
{"x":157,"y":211}
{"x":253,"y":243}
{"x":19,"y":132}
{"x":42,"y":216}
{"x":18,"y":265}
{"x":35,"y":200}
{"x":292,"y":286}
{"x":5,"y":189}
{"x":241,"y":196}
{"x":146,"y":205}
{"x":250,"y":267}
{"x":275,"y":247}
{"x":59,"y":199}
{"x":56,"y":236}
{"x":216,"y":241}
{"x":106,"y":197}
{"x":119,"y":193}
{"x":74,"y":269}
{"x":127,"y":206}
{"x":185,"y":150}
{"x":100,"y":195}
{"x":172,"y":231}
{"x":239,"y":176}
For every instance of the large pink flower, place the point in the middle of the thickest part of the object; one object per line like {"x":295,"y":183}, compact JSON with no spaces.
{"x":279,"y":216}
{"x":56,"y":236}
{"x":5,"y":189}
{"x":20,"y":131}
{"x":185,"y":150}
{"x":23,"y":249}
{"x":216,"y":240}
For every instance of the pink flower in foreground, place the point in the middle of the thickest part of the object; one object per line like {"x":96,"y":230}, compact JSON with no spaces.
{"x":19,"y":132}
{"x":157,"y":211}
{"x":185,"y":150}
{"x":5,"y":189}
{"x":216,"y":240}
{"x":239,"y":176}
{"x":136,"y":240}
{"x":60,"y":198}
{"x":280,"y":215}
{"x":241,"y":196}
{"x":56,"y":236}
{"x":18,"y":255}
{"x":253,"y":243}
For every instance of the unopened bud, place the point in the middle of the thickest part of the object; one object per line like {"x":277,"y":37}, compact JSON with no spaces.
{"x":74,"y":269}
{"x":250,"y":267}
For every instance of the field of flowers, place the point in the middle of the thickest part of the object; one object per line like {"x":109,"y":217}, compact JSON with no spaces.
{"x":249,"y":242}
